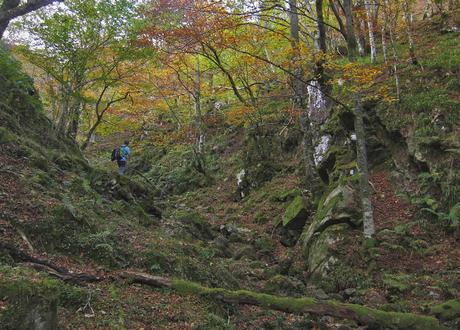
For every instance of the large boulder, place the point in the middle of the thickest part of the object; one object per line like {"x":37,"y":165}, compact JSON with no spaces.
{"x":296,"y":214}
{"x":336,"y":213}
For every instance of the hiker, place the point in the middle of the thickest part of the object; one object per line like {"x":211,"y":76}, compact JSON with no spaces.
{"x":121,"y":155}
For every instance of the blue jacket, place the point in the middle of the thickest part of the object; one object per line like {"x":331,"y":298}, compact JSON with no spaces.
{"x":125,"y":152}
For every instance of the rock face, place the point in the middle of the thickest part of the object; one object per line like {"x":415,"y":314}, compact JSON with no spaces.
{"x":41,"y":316}
{"x":32,"y":313}
{"x":335,"y":214}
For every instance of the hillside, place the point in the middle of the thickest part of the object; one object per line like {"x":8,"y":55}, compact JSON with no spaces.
{"x":170,"y":246}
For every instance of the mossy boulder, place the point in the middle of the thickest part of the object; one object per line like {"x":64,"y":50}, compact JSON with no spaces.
{"x":296,"y":214}
{"x":284,"y":285}
{"x":195,"y":225}
{"x":341,"y":205}
{"x":30,"y":299}
{"x":397,"y":283}
{"x":287,"y":195}
{"x":322,"y":259}
{"x":448,"y":310}
{"x":337,"y":212}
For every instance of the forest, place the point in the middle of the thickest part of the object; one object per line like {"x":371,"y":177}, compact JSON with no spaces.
{"x":229,"y":164}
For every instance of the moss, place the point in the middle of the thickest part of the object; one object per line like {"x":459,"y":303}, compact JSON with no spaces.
{"x":397,"y":283}
{"x":396,"y":320}
{"x":448,"y":310}
{"x":283,"y":285}
{"x":374,"y":318}
{"x":195,"y":224}
{"x":6,"y":136}
{"x":31,"y":296}
{"x":287,"y":195}
{"x":296,"y":213}
{"x":324,"y":209}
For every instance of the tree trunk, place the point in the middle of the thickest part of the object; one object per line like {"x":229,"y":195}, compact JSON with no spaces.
{"x":408,"y":21}
{"x":361,"y":40}
{"x":3,"y":26}
{"x":75,"y":121}
{"x":65,"y":113}
{"x":351,"y":38}
{"x":198,"y":114}
{"x":384,"y":43}
{"x":368,"y":218}
{"x":370,"y":25}
{"x":90,"y":133}
{"x":393,"y":48}
{"x":299,"y":99}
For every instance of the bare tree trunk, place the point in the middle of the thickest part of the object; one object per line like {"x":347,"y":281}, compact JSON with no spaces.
{"x":198,"y":114}
{"x":65,"y":114}
{"x":361,"y":40}
{"x":370,"y":25}
{"x":408,"y":21}
{"x":368,"y":218}
{"x":299,"y":98}
{"x":384,"y":43}
{"x":75,"y":121}
{"x":395,"y":65}
{"x":351,"y":38}
{"x":3,"y":26}
{"x":386,"y":14}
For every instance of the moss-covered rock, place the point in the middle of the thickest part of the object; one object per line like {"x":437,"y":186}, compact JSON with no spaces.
{"x":448,"y":310}
{"x":296,"y":214}
{"x":341,"y":205}
{"x":397,"y":283}
{"x":195,"y":225}
{"x":285,"y":286}
{"x":287,"y":195}
{"x":31,"y":299}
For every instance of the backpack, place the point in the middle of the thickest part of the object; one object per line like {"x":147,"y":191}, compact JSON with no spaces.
{"x":116,"y":155}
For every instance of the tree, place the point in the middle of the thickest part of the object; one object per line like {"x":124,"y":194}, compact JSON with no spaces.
{"x":86,"y":47}
{"x":11,"y":9}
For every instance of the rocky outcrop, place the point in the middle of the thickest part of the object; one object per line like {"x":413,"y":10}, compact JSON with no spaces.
{"x":336,"y":213}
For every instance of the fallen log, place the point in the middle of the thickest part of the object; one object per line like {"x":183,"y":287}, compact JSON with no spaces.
{"x":375,"y":319}
{"x":363,"y":315}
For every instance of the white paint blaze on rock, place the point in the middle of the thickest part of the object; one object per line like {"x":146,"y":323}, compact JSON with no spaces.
{"x":239,"y":181}
{"x":318,"y":110}
{"x":321,"y":148}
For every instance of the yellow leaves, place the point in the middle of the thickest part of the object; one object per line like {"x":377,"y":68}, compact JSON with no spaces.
{"x":360,"y":76}
{"x":239,"y":115}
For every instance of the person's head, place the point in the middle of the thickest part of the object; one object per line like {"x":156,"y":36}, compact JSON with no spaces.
{"x":126,"y":142}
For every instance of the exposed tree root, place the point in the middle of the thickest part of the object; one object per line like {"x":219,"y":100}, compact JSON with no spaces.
{"x":46,"y":266}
